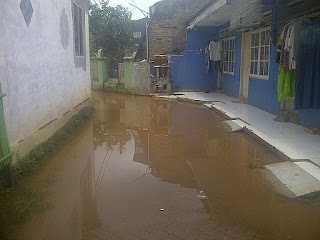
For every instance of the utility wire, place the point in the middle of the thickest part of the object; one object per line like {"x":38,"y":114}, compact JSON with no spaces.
{"x":134,"y":3}
{"x":142,"y":11}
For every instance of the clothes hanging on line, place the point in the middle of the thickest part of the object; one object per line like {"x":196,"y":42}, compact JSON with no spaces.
{"x":208,"y":63}
{"x":292,"y":43}
{"x":284,"y":55}
{"x":287,"y":51}
{"x":215,"y":51}
{"x":286,"y":83}
{"x":288,"y":45}
{"x":217,"y":65}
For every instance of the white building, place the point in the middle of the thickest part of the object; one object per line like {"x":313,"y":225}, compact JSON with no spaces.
{"x":44,"y":67}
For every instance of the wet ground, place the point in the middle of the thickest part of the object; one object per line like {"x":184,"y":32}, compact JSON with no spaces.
{"x":146,"y":168}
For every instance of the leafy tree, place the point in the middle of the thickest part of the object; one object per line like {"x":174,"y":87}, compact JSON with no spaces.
{"x":110,"y":30}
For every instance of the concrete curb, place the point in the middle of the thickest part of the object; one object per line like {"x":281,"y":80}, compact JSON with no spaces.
{"x":295,"y":177}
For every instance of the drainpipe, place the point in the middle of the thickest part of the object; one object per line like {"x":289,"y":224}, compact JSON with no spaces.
{"x":147,"y":39}
{"x":219,"y":84}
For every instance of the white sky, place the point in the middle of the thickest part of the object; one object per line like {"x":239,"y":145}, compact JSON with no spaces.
{"x":136,"y":14}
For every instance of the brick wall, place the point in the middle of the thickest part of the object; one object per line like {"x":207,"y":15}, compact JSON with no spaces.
{"x":168,"y":25}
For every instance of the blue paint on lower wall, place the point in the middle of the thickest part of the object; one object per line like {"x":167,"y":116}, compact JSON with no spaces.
{"x":310,"y":118}
{"x":230,"y":85}
{"x":262,"y":95}
{"x":188,"y":69}
{"x":189,"y":73}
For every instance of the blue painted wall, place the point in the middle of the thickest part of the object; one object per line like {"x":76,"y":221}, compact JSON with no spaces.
{"x":263,"y":93}
{"x":231,"y":82}
{"x":188,"y":69}
{"x":310,"y":118}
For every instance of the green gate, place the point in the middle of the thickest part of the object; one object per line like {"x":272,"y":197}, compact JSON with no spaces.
{"x":5,"y":153}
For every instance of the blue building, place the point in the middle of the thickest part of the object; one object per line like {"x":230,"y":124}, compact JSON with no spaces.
{"x":248,"y":32}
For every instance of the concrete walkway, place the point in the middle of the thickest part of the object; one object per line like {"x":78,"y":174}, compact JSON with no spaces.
{"x":302,"y":148}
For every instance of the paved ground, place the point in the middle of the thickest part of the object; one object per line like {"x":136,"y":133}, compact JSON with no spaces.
{"x":288,"y":138}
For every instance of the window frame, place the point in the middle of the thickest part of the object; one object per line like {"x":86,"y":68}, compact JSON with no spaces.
{"x":137,"y":35}
{"x":78,"y":31}
{"x":229,"y":54}
{"x":259,"y":60}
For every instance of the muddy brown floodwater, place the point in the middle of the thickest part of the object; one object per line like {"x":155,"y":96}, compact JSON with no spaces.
{"x":151,"y":169}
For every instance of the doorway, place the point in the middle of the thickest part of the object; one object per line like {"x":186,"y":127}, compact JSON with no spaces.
{"x":245,"y":67}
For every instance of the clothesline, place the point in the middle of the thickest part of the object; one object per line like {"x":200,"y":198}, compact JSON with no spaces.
{"x":213,"y":53}
{"x":287,"y":51}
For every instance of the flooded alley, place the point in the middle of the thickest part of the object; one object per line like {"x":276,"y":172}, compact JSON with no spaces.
{"x":145,"y":168}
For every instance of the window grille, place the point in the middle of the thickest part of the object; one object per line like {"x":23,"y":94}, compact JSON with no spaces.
{"x":78,"y":29}
{"x":224,"y":33}
{"x":260,"y":54}
{"x":228,"y":48}
{"x":302,"y":8}
{"x":266,"y":19}
{"x":295,"y":10}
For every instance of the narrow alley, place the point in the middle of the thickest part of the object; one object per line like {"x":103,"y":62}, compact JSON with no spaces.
{"x":146,"y":168}
{"x":160,"y":120}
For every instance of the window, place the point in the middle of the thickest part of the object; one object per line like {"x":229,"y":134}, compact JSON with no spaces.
{"x":260,"y":54}
{"x":78,"y":22}
{"x":228,"y":54}
{"x":136,"y":34}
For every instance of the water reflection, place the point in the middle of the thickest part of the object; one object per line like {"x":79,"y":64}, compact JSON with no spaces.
{"x":141,"y":155}
{"x":184,"y":144}
{"x":74,"y":210}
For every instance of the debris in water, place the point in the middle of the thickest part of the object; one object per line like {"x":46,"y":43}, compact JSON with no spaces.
{"x":201,"y":195}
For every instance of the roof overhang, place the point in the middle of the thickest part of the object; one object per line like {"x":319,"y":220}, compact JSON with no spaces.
{"x":216,"y":13}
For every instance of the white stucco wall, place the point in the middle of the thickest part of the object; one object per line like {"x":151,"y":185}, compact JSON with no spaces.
{"x":37,"y":72}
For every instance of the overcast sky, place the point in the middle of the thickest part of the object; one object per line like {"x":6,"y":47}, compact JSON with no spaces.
{"x":136,"y":14}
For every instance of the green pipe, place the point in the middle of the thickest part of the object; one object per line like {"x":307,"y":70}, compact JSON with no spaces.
{"x":2,"y":160}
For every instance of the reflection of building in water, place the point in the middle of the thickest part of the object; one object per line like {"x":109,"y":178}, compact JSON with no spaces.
{"x":164,"y":153}
{"x":192,"y":122}
{"x":239,"y":191}
{"x":88,"y":199}
{"x":162,"y":150}
{"x":161,"y":115}
{"x":121,"y":109}
{"x":117,"y":116}
{"x":78,"y":205}
{"x":141,"y":154}
{"x":168,"y":159}
{"x":74,"y":212}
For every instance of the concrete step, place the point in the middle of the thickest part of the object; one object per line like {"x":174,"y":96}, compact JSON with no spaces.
{"x":293,"y":179}
{"x":232,"y":125}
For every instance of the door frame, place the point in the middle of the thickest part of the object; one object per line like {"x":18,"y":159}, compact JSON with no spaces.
{"x":245,"y":63}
